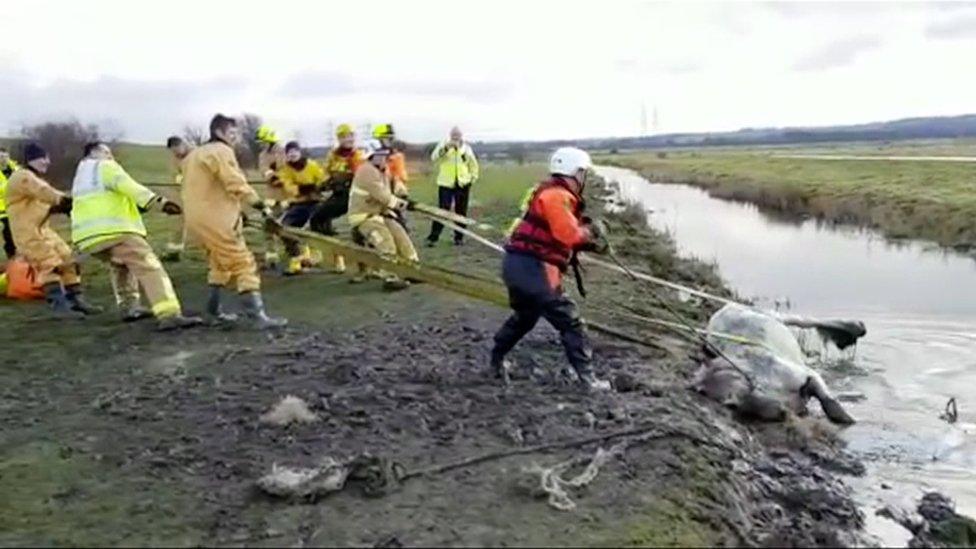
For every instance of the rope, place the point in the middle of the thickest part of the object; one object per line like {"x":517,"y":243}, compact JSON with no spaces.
{"x":573,"y":443}
{"x":667,"y":306}
{"x":684,"y":329}
{"x":450,"y":217}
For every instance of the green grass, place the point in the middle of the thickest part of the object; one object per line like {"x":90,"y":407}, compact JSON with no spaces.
{"x":51,"y":496}
{"x":63,"y":478}
{"x":918,"y":199}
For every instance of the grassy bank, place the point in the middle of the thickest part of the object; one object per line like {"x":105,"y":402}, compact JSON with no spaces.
{"x":117,"y":435}
{"x":904,"y":199}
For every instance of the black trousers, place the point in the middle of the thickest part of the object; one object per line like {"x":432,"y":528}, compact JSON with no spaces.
{"x":450,"y":199}
{"x":8,"y":240}
{"x":334,"y":207}
{"x":297,"y":215}
{"x":532,"y":296}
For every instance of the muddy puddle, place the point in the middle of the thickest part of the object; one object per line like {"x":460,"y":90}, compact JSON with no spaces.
{"x":919,"y":351}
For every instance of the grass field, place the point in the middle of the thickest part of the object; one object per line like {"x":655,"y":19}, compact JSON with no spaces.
{"x":74,"y":467}
{"x":54,"y":497}
{"x":916,"y":199}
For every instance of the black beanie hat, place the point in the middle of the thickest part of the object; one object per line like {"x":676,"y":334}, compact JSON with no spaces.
{"x":33,"y":151}
{"x":292,"y":145}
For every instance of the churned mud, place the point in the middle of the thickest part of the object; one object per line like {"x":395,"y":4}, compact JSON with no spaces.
{"x":123,"y":436}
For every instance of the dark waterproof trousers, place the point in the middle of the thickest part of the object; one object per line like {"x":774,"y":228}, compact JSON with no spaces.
{"x":334,"y":207}
{"x":533,"y":296}
{"x":297,"y":215}
{"x":8,"y":240}
{"x":450,"y":199}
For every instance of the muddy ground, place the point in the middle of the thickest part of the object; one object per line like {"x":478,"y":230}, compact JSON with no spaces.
{"x":122,"y":436}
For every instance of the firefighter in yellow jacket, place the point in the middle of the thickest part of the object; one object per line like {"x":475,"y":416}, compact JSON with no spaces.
{"x":30,"y":203}
{"x":179,"y":148}
{"x":106,"y":222}
{"x":340,"y":166}
{"x":372,"y":212}
{"x":214,"y":192}
{"x":271,"y":158}
{"x":301,"y":180}
{"x":7,"y":168}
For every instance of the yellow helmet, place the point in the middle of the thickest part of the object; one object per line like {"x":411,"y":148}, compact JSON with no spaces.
{"x":265,"y":134}
{"x":344,"y":130}
{"x":384,"y":131}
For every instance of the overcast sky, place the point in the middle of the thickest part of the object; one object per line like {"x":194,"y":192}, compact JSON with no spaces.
{"x":500,"y":69}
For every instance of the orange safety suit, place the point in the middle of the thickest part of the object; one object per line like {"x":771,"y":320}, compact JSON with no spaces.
{"x":214,"y":191}
{"x":29,"y":202}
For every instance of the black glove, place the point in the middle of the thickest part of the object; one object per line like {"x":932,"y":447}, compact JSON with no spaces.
{"x":308,"y":189}
{"x":263,"y":208}
{"x":64,"y":206}
{"x":411,"y":203}
{"x":171,"y":208}
{"x":598,"y":241}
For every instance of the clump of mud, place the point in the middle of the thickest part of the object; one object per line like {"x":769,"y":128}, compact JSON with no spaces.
{"x":289,"y":410}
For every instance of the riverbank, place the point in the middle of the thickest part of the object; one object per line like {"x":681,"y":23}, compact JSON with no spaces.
{"x":116,"y":435}
{"x":903,"y":199}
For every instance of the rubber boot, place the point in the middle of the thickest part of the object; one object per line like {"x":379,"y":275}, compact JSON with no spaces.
{"x":271,"y":260}
{"x":501,"y":369}
{"x":295,"y":266}
{"x":57,"y":299}
{"x":136,"y":313}
{"x":395,"y":284}
{"x":173,"y":252}
{"x":177,"y":322}
{"x":593,"y":384}
{"x":79,"y":303}
{"x":215,"y":311}
{"x":254,"y":310}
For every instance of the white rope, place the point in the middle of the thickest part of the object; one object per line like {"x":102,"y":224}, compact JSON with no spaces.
{"x":552,"y":483}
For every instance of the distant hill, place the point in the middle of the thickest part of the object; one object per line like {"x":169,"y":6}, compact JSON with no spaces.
{"x":906,"y":128}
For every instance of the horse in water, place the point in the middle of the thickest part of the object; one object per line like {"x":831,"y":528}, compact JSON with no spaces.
{"x":759,"y":368}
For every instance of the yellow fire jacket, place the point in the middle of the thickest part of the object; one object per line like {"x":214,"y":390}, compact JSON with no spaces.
{"x":214,"y":189}
{"x":29,"y":201}
{"x":370,"y":195}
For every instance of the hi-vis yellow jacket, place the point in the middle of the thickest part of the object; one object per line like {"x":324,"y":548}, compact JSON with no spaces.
{"x":457,"y":166}
{"x":301,"y":184}
{"x":5,"y":172}
{"x":106,"y":203}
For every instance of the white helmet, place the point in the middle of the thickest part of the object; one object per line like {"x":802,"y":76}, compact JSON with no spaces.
{"x":372,"y":147}
{"x":568,"y":160}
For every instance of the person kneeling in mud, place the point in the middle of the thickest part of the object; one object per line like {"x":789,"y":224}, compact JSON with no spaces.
{"x":372,"y":214}
{"x":301,"y":179}
{"x":538,"y":252}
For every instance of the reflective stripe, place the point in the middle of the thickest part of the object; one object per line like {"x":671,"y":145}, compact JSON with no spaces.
{"x":86,"y":181}
{"x":357,"y":219}
{"x":168,"y":307}
{"x":107,"y":222}
{"x":103,"y":210}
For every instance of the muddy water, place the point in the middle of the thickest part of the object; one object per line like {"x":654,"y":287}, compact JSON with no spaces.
{"x":919,"y":304}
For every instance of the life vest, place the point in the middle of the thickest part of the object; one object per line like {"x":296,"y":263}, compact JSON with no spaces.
{"x":532,"y":235}
{"x":22,"y":281}
{"x":341,"y":165}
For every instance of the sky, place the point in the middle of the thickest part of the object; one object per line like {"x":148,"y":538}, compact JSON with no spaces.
{"x":499,"y":69}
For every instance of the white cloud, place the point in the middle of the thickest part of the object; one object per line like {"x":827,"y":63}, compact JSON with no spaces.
{"x":502,"y":69}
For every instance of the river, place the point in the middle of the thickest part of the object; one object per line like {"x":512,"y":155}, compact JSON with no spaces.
{"x":919,"y":305}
